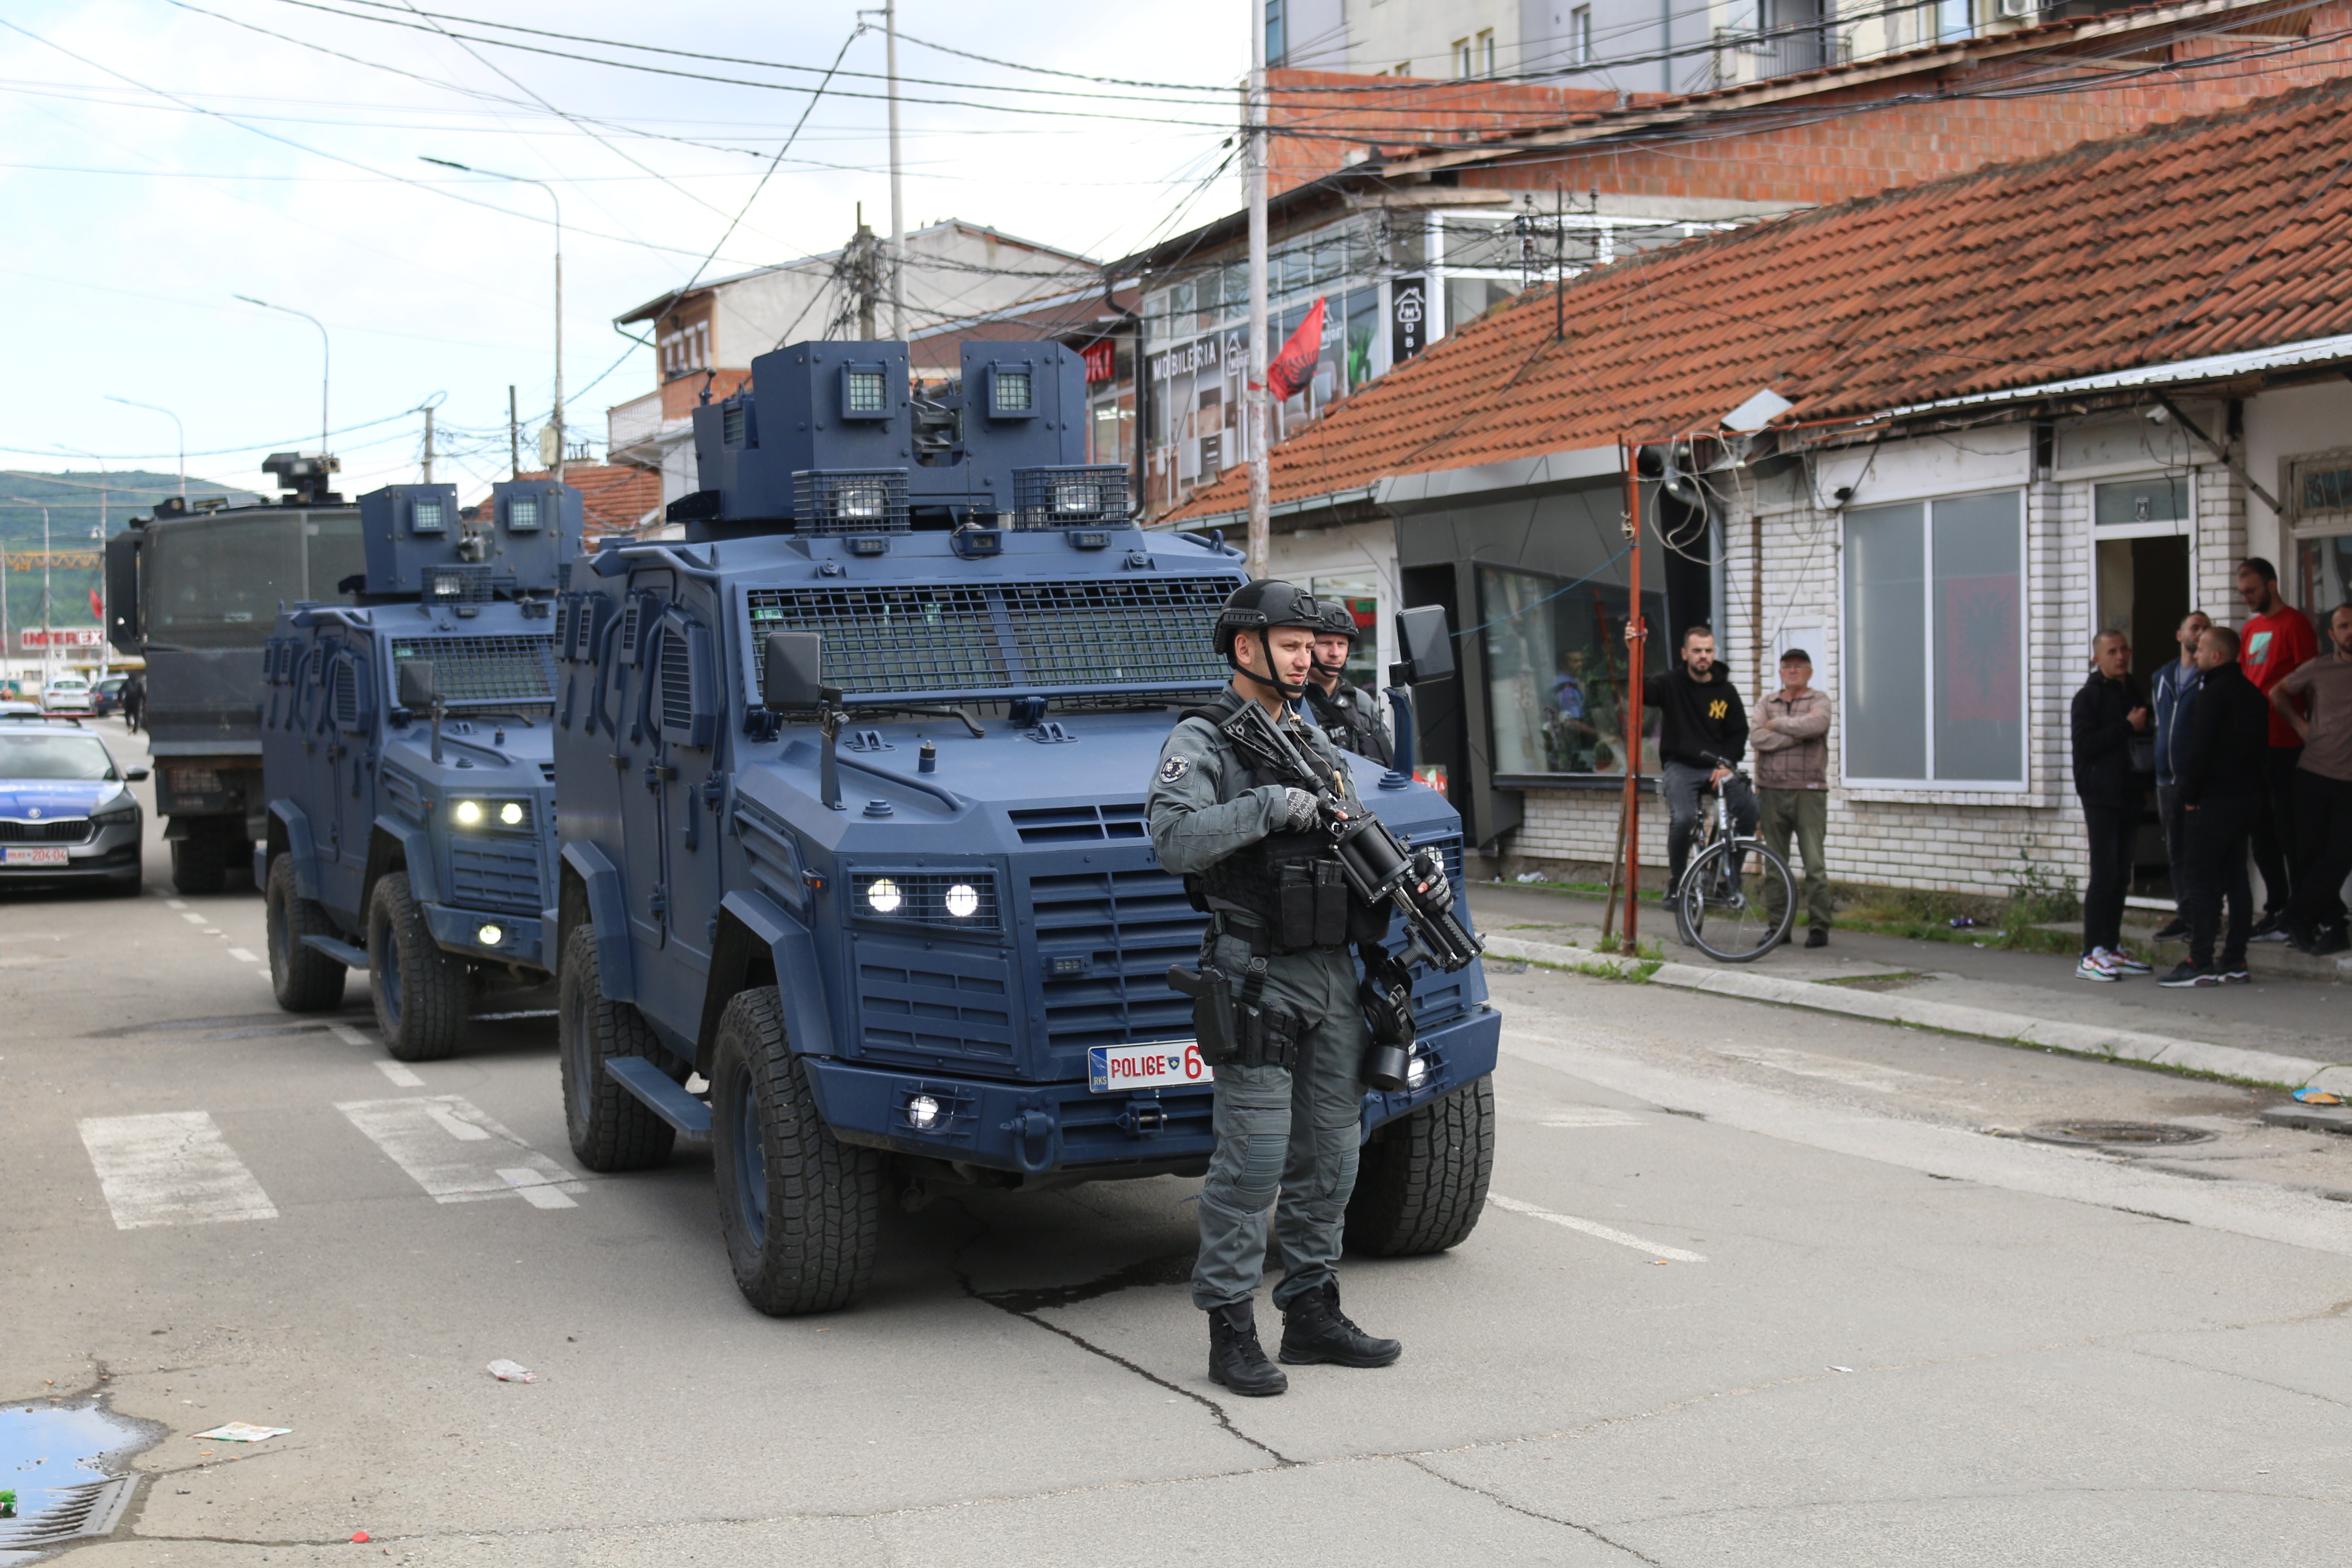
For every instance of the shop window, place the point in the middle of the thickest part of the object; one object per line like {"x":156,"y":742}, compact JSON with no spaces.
{"x":1555,"y":654}
{"x":1933,"y":667}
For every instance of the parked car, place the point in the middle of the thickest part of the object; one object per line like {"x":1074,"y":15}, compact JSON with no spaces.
{"x":19,"y":708}
{"x":66,"y":694}
{"x":67,"y":813}
{"x":105,"y":696}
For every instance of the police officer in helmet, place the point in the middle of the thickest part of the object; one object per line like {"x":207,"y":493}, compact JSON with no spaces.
{"x":1340,"y":708}
{"x":1288,"y":1098}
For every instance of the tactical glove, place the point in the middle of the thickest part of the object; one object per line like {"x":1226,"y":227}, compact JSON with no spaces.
{"x":1302,"y":809}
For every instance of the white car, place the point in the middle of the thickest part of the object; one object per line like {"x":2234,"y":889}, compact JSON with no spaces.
{"x":66,"y":694}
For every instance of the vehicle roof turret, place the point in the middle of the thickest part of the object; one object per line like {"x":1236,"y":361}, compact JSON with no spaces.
{"x":420,"y":545}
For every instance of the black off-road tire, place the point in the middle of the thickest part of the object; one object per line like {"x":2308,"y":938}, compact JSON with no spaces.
{"x":306,"y":980}
{"x":800,"y":1210}
{"x":1422,"y":1183}
{"x":199,"y":861}
{"x":611,"y":1129}
{"x":420,"y":991}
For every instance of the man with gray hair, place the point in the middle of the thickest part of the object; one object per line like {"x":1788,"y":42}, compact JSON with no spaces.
{"x":2106,"y":718}
{"x":1792,"y":756}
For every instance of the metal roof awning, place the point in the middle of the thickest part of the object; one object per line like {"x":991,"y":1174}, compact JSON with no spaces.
{"x":2214,"y":367}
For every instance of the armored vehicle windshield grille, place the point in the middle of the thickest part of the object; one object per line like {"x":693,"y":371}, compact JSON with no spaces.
{"x":484,"y":670}
{"x":1007,"y":638}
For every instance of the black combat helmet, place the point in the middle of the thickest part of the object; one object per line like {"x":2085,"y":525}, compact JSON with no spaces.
{"x":1260,"y":606}
{"x":1339,"y":621}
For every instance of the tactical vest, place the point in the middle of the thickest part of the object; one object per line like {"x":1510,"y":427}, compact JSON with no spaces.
{"x":1345,"y":717}
{"x":1287,"y":887}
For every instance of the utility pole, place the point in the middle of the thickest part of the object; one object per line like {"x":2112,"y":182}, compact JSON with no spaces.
{"x":866,"y":269}
{"x":514,"y":437}
{"x":1254,"y":391}
{"x":897,"y":206}
{"x":48,"y":634}
{"x":428,"y":444}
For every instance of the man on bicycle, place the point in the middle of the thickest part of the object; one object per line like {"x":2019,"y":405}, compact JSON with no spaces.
{"x":1700,"y":717}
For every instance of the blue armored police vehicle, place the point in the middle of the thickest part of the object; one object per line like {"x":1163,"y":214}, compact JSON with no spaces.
{"x":408,"y":762}
{"x":851,"y":784}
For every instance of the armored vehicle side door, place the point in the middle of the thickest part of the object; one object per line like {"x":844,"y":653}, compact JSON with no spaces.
{"x":686,"y":724}
{"x":348,"y":754}
{"x":644,"y":790}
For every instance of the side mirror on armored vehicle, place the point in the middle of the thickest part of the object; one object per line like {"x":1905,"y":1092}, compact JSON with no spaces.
{"x":1426,"y":643}
{"x":791,"y":677}
{"x":416,"y":691}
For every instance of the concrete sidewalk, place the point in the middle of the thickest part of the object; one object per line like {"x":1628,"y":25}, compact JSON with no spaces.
{"x":2282,"y":1032}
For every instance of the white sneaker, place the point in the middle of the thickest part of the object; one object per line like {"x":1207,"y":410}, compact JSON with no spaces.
{"x":2124,"y":964}
{"x":2098,"y":966}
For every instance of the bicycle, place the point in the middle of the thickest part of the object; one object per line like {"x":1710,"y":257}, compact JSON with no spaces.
{"x":1723,"y":905}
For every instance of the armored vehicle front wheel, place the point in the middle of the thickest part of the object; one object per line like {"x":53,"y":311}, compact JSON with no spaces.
{"x":802,"y":1211}
{"x":1423,"y":1179}
{"x":199,"y":861}
{"x":611,"y":1129}
{"x":420,"y":991}
{"x":306,"y":980}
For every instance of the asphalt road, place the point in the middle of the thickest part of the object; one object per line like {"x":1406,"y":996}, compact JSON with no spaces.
{"x":1759,"y":1287}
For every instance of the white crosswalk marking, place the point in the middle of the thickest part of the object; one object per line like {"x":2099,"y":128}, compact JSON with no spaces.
{"x":244,"y":957}
{"x":422,"y":1135}
{"x":401,"y":1073}
{"x":173,"y":1167}
{"x":194,"y":918}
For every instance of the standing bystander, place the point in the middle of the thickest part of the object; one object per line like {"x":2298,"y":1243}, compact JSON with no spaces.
{"x":2275,"y":640}
{"x":2220,"y":776}
{"x":2175,"y":683}
{"x":2108,"y":717}
{"x":2317,"y":699}
{"x":1792,"y":755}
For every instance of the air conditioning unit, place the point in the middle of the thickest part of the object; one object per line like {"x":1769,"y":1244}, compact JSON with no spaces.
{"x":2015,"y":9}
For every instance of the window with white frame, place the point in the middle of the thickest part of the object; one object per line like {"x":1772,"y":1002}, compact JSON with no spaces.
{"x":1486,"y":51}
{"x":2319,"y":492}
{"x":1580,"y":35}
{"x":1933,"y":672}
{"x":1462,"y":57}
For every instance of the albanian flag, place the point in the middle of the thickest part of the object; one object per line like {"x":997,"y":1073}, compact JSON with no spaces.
{"x":1294,"y":367}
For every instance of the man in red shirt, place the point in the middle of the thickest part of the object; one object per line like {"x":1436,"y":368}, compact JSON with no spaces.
{"x":2275,"y":639}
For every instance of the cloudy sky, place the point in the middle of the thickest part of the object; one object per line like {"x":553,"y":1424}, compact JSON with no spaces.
{"x":159,"y":157}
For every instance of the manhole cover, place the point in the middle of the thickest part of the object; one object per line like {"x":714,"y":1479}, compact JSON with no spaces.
{"x":2092,"y":1134}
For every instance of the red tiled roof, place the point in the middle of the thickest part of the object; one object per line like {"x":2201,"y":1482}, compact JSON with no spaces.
{"x":2205,"y":237}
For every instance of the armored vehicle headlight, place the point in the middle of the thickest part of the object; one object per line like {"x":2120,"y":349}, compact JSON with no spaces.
{"x":491,"y":935}
{"x":1416,"y":1070}
{"x":1077,"y":496}
{"x":511,"y":814}
{"x":861,"y":500}
{"x":922,"y":1113}
{"x":963,"y":901}
{"x":882,"y":896}
{"x":467,"y":813}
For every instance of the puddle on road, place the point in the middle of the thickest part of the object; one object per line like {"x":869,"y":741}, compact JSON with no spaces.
{"x":69,"y":1465}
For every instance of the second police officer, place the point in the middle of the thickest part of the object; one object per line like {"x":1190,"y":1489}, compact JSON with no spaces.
{"x":1343,"y":711}
{"x":1288,"y":1097}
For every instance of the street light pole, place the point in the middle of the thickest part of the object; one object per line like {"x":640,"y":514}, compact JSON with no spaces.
{"x":898,"y":207}
{"x":154,"y":408}
{"x":1253,"y":388}
{"x":542,"y":184}
{"x":326,"y":359}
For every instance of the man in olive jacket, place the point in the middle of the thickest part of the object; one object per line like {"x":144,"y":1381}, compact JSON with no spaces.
{"x":1792,"y":759}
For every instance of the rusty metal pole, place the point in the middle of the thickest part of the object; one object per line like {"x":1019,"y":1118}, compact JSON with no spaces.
{"x":1636,"y":632}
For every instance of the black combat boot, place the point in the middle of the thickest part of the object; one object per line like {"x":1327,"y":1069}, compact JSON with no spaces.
{"x":1235,"y":1358}
{"x":1315,"y":1330}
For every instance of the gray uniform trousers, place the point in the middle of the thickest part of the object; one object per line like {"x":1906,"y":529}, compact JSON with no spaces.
{"x":1297,"y":1130}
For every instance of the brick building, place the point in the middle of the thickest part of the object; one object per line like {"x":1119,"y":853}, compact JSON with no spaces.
{"x":2022,"y":405}
{"x":1416,"y":213}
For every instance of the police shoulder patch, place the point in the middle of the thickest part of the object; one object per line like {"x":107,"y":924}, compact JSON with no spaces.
{"x":1174,"y":768}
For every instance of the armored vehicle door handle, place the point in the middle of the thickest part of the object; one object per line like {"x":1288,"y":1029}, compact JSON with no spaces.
{"x":713,"y":791}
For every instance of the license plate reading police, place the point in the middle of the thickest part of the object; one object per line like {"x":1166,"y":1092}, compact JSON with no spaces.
{"x":1111,"y":1070}
{"x":44,"y":854}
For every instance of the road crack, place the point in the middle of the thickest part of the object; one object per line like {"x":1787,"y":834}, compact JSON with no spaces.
{"x":1504,"y":1502}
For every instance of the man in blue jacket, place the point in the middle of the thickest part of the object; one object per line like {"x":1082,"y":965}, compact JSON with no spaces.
{"x":2175,"y":683}
{"x":2107,"y":716}
{"x":2223,"y":746}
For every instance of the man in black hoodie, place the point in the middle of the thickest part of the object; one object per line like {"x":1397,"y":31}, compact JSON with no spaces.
{"x":2218,"y":764}
{"x":2106,"y":718}
{"x":1699,"y":716}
